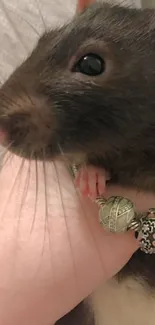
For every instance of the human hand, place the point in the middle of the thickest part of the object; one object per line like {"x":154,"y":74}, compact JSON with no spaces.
{"x":53,"y":251}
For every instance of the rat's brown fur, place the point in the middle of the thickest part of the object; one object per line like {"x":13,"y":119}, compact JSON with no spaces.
{"x":108,"y":120}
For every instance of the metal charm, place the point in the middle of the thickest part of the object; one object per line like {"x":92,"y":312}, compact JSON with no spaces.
{"x":116,"y":214}
{"x":147,"y":233}
{"x":135,"y":225}
{"x":147,"y":236}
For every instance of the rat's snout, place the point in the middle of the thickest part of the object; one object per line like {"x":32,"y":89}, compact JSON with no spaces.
{"x":15,"y":128}
{"x":26,"y":123}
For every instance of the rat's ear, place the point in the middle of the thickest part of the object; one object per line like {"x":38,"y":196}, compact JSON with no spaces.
{"x":83,"y":4}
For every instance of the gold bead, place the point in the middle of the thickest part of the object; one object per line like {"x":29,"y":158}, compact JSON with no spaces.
{"x":116,"y":214}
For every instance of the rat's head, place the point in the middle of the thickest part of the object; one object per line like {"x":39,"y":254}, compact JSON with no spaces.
{"x":87,"y":90}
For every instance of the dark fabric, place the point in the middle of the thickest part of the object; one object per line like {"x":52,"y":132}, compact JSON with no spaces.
{"x":81,"y":315}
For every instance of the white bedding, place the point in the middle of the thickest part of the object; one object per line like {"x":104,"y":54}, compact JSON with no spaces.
{"x":17,"y":37}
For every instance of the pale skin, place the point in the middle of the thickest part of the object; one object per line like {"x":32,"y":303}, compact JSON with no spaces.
{"x":53,"y":255}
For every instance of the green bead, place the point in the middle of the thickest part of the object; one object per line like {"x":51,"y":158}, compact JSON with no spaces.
{"x":116,"y":214}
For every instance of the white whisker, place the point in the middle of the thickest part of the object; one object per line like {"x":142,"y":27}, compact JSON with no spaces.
{"x":12,"y":190}
{"x":36,"y":196}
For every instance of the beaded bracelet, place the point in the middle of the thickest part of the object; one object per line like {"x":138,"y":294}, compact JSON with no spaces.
{"x":117,"y":215}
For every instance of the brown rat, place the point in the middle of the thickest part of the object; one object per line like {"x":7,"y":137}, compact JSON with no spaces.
{"x":87,"y":88}
{"x":87,"y":91}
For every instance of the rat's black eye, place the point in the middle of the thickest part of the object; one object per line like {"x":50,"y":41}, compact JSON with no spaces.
{"x":90,"y":64}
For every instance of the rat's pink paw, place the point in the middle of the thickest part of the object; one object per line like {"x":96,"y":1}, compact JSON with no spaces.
{"x":91,"y":181}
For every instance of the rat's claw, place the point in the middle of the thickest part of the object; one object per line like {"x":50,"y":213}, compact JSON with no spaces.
{"x":91,"y":181}
{"x":101,"y":182}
